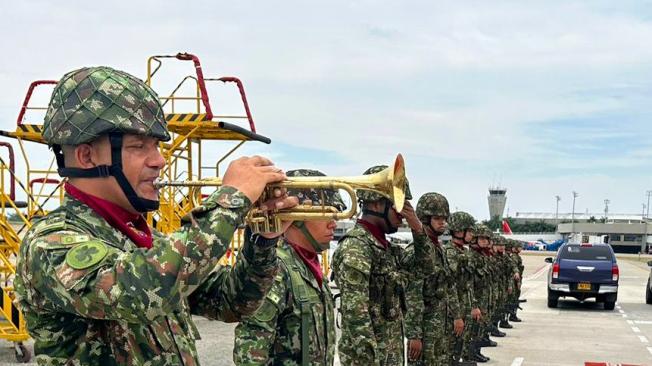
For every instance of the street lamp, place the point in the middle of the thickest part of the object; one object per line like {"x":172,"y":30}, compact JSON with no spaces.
{"x":647,"y":216}
{"x":557,"y":210}
{"x":606,"y":208}
{"x":575,"y":194}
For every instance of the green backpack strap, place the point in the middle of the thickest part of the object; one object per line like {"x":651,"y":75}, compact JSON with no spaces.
{"x":300,"y":291}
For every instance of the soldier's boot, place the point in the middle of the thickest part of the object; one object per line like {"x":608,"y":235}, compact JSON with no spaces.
{"x":477,"y":356}
{"x":495,"y":332}
{"x":513,"y":317}
{"x":505,"y":324}
{"x":486,"y":342}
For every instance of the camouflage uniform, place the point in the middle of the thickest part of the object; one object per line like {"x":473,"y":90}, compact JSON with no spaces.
{"x":482,"y":292}
{"x":459,"y":261}
{"x":90,"y":296}
{"x":295,"y":325}
{"x":430,"y":302}
{"x":371,"y":282}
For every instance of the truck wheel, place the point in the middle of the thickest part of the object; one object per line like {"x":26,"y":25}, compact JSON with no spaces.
{"x":609,"y":305}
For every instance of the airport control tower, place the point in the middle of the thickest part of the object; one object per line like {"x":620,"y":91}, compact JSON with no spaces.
{"x":497,"y":199}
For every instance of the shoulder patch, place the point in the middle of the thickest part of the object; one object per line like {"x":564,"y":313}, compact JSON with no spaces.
{"x":86,"y":254}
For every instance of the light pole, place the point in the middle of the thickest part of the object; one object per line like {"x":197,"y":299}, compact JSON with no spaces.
{"x":557,"y":211}
{"x":647,"y":216}
{"x":575,"y":194}
{"x":606,"y":209}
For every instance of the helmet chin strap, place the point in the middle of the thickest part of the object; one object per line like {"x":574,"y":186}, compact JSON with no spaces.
{"x":385,"y":216}
{"x":139,"y":204}
{"x":319,"y":247}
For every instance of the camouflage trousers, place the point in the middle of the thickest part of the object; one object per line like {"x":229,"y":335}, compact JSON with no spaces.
{"x":435,"y":350}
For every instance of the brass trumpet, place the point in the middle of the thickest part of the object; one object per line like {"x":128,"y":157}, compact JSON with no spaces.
{"x":389,"y":182}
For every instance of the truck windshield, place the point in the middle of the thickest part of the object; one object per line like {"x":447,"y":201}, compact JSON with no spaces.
{"x":593,"y":253}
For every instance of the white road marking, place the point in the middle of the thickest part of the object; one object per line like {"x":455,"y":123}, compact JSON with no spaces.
{"x":630,"y":322}
{"x":624,"y":315}
{"x":518,"y":361}
{"x":621,"y":311}
{"x":643,"y":339}
{"x":649,"y":349}
{"x":636,"y":330}
{"x":643,"y":321}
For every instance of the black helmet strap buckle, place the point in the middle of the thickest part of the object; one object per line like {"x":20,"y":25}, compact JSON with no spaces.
{"x":102,"y":171}
{"x":384,"y":215}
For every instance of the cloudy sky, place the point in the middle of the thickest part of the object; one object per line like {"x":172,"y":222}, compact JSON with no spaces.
{"x":542,"y":97}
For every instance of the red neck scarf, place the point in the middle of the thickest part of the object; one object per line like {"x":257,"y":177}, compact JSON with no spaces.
{"x":375,"y":231}
{"x":434,"y":239}
{"x":311,"y":260}
{"x":132,"y":225}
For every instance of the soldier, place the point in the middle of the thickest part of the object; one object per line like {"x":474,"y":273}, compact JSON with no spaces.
{"x":367,"y":269}
{"x":507,"y":272}
{"x":518,"y":268}
{"x":481,"y":290}
{"x":295,"y":325}
{"x":431,"y":302}
{"x":97,"y":285}
{"x":488,"y":254}
{"x":460,"y":226}
{"x":499,"y":283}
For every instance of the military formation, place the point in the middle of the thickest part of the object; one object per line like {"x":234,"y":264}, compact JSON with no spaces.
{"x":98,"y":286}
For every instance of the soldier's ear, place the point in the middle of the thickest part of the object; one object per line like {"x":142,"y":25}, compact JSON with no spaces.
{"x":83,"y":156}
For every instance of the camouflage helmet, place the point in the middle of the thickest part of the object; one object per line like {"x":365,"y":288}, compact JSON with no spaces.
{"x":432,"y":204}
{"x":371,"y":196}
{"x":90,"y":102}
{"x":326,"y":197}
{"x":460,"y":221}
{"x":509,"y":243}
{"x":500,"y":240}
{"x":482,"y":230}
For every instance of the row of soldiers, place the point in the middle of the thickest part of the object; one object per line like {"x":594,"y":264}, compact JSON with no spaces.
{"x":98,"y":286}
{"x":475,"y":290}
{"x":445,"y":299}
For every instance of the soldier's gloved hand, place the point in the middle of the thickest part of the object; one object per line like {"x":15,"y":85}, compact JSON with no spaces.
{"x":411,"y":217}
{"x":250,"y":175}
{"x":458,"y":327}
{"x":280,"y":201}
{"x":476,"y":314}
{"x":414,"y":349}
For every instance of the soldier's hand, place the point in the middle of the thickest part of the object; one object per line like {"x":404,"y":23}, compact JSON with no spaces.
{"x":250,"y":175}
{"x":476,"y":314}
{"x":509,"y":290}
{"x":280,"y":201}
{"x":517,"y":276}
{"x":458,"y":327}
{"x":414,"y":349}
{"x":411,"y":217}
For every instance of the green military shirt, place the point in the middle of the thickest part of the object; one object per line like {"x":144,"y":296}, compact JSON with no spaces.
{"x":371,"y":279}
{"x":460,"y":265}
{"x":273,"y":335}
{"x":90,"y":296}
